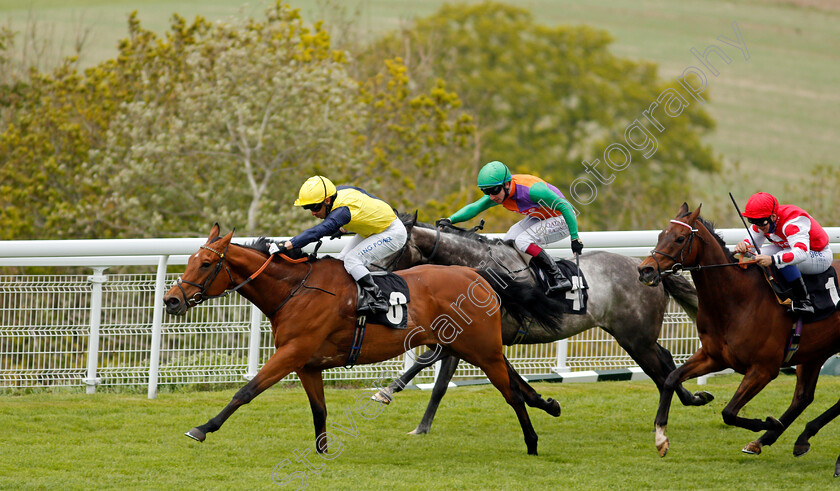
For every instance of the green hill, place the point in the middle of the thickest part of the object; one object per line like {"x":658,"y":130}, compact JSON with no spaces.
{"x":776,"y":110}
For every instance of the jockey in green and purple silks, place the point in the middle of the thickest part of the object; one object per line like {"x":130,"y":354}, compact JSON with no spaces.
{"x":550,"y":217}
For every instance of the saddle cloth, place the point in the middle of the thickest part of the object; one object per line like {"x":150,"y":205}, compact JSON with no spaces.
{"x":396,"y":289}
{"x":574,"y":301}
{"x":825,"y":294}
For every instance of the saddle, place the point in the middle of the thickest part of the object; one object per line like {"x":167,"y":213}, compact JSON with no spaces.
{"x":574,"y":301}
{"x":822,"y":288}
{"x":396,"y":289}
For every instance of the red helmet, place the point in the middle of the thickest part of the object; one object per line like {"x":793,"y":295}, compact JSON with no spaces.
{"x":761,"y":205}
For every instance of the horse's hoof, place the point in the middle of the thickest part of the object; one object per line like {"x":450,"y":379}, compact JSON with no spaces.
{"x":382,"y":397}
{"x":801,"y":449}
{"x":418,"y":431}
{"x":752,"y":448}
{"x":553,"y":407}
{"x":662,"y":442}
{"x":703,"y":397}
{"x":196,"y":435}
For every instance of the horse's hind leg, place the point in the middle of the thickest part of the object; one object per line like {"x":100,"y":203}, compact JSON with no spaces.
{"x":807,"y":375}
{"x":447,"y":369}
{"x":498,"y":373}
{"x":801,"y":447}
{"x":657,"y":363}
{"x":531,"y":396}
{"x":425,"y":360}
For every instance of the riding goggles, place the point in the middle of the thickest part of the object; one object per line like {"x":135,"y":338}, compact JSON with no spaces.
{"x":759,"y":222}
{"x":492,"y":190}
{"x":316,"y":207}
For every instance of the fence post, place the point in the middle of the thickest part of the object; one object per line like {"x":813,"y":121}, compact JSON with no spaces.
{"x":254,"y":342}
{"x":157,"y":325}
{"x":96,"y":281}
{"x":562,"y":356}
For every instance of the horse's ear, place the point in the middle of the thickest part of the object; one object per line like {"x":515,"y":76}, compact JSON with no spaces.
{"x":226,"y":238}
{"x":214,"y":232}
{"x":694,"y":214}
{"x":683,"y":210}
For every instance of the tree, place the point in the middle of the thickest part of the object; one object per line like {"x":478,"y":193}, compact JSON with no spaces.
{"x":217,"y":122}
{"x":255,"y":107}
{"x":547,"y":98}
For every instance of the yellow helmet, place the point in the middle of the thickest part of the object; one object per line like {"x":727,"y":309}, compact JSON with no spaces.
{"x":315,"y":190}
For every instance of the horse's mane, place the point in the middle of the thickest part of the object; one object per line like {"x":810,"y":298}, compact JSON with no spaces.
{"x":261,"y":244}
{"x":710,"y":226}
{"x":409,"y":219}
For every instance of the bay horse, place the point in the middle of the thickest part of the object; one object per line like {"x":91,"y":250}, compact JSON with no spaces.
{"x":741,"y":326}
{"x":311,"y":304}
{"x":632,"y":313}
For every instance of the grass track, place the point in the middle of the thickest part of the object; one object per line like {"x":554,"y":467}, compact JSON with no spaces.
{"x":602,"y":440}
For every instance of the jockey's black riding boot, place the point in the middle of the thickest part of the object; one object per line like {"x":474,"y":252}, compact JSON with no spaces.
{"x":372,"y":299}
{"x":557,"y":281}
{"x":801,"y":301}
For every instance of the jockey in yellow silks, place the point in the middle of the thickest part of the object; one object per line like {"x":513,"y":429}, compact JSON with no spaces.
{"x":379,"y":232}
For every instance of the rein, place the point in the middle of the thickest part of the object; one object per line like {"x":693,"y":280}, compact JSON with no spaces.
{"x":201,"y":296}
{"x":686,"y":249}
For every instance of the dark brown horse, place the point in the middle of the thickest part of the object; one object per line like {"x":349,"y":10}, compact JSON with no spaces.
{"x":312,"y":308}
{"x":741,"y":326}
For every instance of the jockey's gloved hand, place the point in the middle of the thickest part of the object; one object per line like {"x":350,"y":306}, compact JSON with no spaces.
{"x":443,"y":222}
{"x":577,"y":246}
{"x":275,"y":249}
{"x":337,"y":235}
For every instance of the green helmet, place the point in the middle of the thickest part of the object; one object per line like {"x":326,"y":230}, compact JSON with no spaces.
{"x":493,"y":174}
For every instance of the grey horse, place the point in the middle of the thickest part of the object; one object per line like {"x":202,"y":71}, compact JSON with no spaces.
{"x":618,"y":303}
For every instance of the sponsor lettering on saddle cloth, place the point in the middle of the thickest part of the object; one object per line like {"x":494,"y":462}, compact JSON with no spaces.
{"x":825,"y":295}
{"x":396,"y":289}
{"x":574,"y":301}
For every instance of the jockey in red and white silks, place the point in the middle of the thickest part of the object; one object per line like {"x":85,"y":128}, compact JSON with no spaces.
{"x":797,"y":243}
{"x":794,"y":237}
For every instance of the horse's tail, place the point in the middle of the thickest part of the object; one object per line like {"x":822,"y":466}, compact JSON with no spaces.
{"x":683,"y":292}
{"x":522,"y":300}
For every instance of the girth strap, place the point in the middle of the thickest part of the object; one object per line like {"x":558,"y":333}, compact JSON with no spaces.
{"x":795,"y":335}
{"x":358,"y":338}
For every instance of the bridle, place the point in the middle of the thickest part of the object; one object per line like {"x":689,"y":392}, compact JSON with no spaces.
{"x":201,"y":295}
{"x":686,"y":249}
{"x":678,"y":261}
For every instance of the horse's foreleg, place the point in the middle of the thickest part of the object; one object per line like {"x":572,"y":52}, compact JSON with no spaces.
{"x":427,"y":359}
{"x":754,"y":381}
{"x":447,"y":369}
{"x":274,"y":370}
{"x":806,"y":382}
{"x":313,"y":384}
{"x":531,"y":396}
{"x":698,"y":364}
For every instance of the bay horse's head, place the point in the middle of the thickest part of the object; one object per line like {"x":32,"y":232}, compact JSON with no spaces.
{"x":201,"y":280}
{"x":675,"y":248}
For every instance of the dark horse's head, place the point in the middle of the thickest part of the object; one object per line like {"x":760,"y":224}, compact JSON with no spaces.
{"x":674,"y":249}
